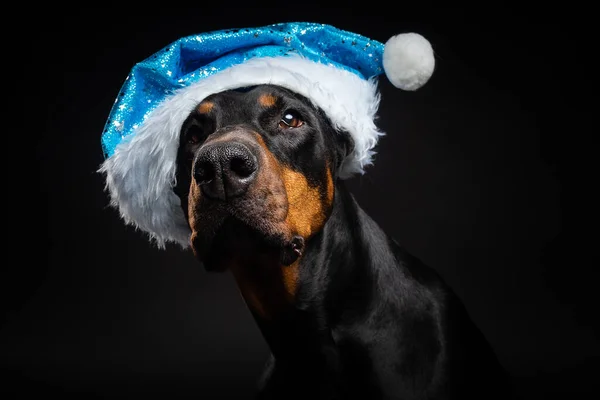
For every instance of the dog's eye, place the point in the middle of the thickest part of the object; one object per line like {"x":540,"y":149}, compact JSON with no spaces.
{"x":194,"y":135}
{"x":290,"y":119}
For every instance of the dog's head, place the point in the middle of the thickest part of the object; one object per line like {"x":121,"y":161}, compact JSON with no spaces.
{"x":255,"y":173}
{"x":262,"y":160}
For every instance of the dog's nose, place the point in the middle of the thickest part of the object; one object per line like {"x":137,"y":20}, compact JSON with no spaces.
{"x":224,"y":170}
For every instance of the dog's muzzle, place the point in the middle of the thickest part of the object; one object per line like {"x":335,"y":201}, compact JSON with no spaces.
{"x":224,"y":170}
{"x":238,"y":202}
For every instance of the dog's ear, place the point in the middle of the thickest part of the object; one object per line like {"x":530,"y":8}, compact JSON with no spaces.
{"x":338,"y":139}
{"x":344,"y":146}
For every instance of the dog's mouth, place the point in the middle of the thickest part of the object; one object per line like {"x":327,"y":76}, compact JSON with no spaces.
{"x":229,"y":240}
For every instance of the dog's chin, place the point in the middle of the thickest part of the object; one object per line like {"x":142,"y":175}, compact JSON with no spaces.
{"x":234,"y":242}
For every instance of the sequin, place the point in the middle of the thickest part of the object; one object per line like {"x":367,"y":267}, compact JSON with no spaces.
{"x":195,"y":57}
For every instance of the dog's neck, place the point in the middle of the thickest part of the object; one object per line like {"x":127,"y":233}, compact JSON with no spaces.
{"x":288,"y":302}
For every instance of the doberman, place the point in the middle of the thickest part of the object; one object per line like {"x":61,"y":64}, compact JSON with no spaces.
{"x":346,"y":312}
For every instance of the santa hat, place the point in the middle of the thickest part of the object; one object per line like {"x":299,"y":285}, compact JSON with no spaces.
{"x":333,"y":68}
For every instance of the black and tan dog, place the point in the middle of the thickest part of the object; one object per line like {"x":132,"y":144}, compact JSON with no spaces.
{"x":346,"y":312}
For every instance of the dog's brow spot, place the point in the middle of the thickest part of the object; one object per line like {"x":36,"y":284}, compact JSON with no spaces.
{"x":205,"y":107}
{"x":267,"y":100}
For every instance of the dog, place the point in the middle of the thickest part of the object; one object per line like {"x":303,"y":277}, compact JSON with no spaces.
{"x":347,"y":313}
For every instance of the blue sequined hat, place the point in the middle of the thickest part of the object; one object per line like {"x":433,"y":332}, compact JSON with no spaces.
{"x":335,"y":69}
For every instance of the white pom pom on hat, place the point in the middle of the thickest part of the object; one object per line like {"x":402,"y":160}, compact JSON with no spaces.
{"x":408,"y":61}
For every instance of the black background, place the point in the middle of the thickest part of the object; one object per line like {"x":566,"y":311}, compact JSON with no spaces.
{"x":486,"y":174}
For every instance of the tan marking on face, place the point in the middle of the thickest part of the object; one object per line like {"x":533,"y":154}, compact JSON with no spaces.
{"x":305,"y":210}
{"x":269,"y":287}
{"x":269,"y":187}
{"x":292,"y":207}
{"x":267,"y":100}
{"x":330,"y":188}
{"x":305,"y":207}
{"x":205,"y":107}
{"x":193,"y":199}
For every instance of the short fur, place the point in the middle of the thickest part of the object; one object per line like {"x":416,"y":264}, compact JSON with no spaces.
{"x":346,"y":311}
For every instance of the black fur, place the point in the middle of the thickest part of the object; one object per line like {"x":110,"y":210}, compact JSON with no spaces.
{"x":369,"y":321}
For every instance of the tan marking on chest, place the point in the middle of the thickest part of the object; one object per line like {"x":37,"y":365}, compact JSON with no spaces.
{"x":267,"y":288}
